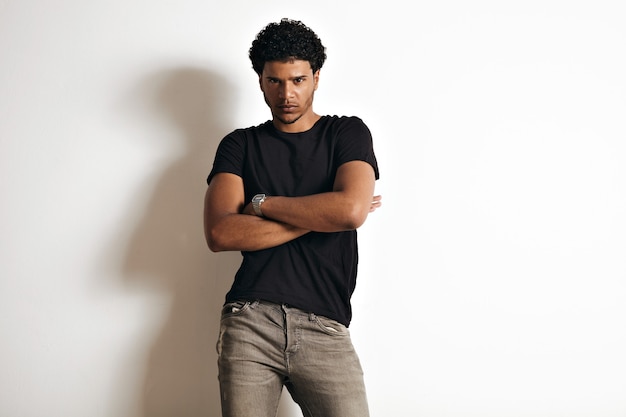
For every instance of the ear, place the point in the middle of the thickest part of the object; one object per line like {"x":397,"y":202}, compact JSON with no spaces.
{"x":261,"y":81}
{"x":316,"y":78}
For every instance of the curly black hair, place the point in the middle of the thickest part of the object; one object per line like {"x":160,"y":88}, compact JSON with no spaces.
{"x":284,"y":40}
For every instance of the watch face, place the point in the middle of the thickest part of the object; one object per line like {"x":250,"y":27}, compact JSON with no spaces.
{"x":256,"y":204}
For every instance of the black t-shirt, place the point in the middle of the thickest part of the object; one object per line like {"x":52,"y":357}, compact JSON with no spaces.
{"x":315,"y":272}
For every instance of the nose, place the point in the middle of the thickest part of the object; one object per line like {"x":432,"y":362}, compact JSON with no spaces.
{"x":286,"y":90}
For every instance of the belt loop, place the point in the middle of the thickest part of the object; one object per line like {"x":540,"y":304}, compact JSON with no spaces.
{"x":312,"y":316}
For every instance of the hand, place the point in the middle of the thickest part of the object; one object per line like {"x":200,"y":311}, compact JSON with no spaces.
{"x":248,"y":210}
{"x":376,"y":203}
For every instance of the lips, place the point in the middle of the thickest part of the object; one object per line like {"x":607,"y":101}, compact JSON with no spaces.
{"x":288,"y":109}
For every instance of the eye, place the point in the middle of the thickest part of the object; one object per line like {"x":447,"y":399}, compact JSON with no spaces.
{"x":298,"y":80}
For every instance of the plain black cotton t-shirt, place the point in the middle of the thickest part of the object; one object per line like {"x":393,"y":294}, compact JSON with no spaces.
{"x":317,"y":271}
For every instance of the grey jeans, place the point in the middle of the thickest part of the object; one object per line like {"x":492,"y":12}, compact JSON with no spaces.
{"x":264,"y":346}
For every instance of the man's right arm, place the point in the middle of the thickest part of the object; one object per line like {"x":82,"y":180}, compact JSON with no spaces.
{"x":227,"y":229}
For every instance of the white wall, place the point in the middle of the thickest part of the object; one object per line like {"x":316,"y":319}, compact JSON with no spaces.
{"x":492,"y":283}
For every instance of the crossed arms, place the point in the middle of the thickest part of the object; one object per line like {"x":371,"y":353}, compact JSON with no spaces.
{"x":231,"y":225}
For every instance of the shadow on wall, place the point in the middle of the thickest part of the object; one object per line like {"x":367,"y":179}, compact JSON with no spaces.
{"x":167,"y":249}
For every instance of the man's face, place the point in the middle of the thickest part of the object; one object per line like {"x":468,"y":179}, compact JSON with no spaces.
{"x":288,"y":88}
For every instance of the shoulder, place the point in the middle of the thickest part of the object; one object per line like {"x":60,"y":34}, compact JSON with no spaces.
{"x":251,"y":130}
{"x":349,"y":127}
{"x":346,"y":125}
{"x":242,"y":136}
{"x":343,"y":120}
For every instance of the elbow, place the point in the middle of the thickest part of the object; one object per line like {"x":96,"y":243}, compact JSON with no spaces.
{"x":213,"y":247}
{"x":216,"y":245}
{"x":214,"y":241}
{"x":356,"y":216}
{"x":356,"y":222}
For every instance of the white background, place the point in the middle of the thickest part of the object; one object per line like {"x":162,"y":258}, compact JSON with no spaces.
{"x":492,"y":282}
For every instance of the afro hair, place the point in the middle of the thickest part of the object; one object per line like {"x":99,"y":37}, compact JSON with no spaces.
{"x":287,"y":39}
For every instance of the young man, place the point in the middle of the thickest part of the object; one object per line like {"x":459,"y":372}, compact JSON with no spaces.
{"x":290,"y":194}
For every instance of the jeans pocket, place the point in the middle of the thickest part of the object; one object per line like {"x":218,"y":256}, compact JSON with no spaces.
{"x":235,"y":308}
{"x":331,"y":327}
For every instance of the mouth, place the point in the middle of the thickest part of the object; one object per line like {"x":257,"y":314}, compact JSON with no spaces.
{"x":287,"y":108}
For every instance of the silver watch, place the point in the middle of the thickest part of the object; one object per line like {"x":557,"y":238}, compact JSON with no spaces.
{"x":257,"y":200}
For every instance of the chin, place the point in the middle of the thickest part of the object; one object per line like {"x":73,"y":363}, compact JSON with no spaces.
{"x":289,"y":121}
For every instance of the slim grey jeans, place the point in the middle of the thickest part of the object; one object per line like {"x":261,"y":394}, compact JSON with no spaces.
{"x":264,"y":346}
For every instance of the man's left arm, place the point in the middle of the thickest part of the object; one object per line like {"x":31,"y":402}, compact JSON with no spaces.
{"x":344,"y":208}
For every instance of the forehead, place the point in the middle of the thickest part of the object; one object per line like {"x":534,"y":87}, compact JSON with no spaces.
{"x":286,"y":69}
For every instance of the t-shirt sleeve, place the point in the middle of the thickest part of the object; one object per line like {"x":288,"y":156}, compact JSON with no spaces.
{"x":229,"y":156}
{"x":356,"y":144}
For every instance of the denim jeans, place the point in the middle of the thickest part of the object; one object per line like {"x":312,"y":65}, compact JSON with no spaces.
{"x":264,"y":346}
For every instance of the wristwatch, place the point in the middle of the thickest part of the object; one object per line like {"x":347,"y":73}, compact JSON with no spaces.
{"x":257,"y":200}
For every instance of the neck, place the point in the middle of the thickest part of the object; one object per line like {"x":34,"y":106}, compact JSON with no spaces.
{"x":303,"y":124}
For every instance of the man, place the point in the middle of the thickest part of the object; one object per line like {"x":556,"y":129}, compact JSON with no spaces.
{"x":290,"y":194}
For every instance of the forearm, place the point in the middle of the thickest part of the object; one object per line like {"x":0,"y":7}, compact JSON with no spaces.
{"x":344,"y":208}
{"x":325,"y":212}
{"x":230,"y":224}
{"x":243,"y":232}
{"x":226,"y":228}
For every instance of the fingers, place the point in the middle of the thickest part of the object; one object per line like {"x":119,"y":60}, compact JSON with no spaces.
{"x":376,"y":203}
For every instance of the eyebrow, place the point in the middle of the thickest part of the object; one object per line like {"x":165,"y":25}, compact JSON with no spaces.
{"x":269,"y":77}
